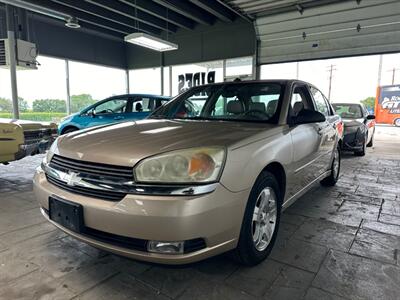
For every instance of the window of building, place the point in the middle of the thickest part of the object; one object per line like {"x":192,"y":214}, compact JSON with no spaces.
{"x":145,"y":81}
{"x":187,"y":76}
{"x":90,"y":83}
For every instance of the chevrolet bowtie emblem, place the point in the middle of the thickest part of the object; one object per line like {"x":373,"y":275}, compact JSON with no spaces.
{"x":72,"y":178}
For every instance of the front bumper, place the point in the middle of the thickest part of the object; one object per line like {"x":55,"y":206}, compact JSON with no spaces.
{"x":215,"y":217}
{"x":353,"y":141}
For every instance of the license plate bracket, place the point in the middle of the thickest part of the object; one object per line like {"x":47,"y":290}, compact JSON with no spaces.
{"x":66,"y":213}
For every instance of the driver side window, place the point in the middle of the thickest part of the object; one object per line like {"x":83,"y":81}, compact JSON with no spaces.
{"x":113,"y":106}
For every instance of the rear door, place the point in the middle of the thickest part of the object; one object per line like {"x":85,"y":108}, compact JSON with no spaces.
{"x":307,"y":142}
{"x":327,"y":129}
{"x":142,"y":107}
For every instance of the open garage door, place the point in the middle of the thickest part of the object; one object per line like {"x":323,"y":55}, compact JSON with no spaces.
{"x":291,"y":30}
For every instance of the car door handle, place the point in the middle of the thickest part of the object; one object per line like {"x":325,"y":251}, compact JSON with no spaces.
{"x":118,"y":118}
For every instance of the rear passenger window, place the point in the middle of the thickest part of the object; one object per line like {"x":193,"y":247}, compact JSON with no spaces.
{"x":320,"y":102}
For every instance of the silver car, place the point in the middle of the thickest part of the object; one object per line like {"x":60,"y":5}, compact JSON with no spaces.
{"x":209,"y":172}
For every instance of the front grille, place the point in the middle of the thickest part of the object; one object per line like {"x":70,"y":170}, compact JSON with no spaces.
{"x":105,"y":195}
{"x":116,"y":240}
{"x":37,"y":134}
{"x":92,"y":169}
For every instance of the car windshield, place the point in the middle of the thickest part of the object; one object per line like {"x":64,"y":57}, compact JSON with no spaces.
{"x":256,"y":102}
{"x":348,"y":111}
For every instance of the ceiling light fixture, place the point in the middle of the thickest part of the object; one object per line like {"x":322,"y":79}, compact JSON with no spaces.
{"x":72,"y":22}
{"x":151,"y":42}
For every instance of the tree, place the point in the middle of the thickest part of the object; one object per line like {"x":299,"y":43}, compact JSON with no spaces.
{"x":369,"y":103}
{"x":22,"y":105}
{"x":49,"y":105}
{"x":5,"y":105}
{"x":78,"y":102}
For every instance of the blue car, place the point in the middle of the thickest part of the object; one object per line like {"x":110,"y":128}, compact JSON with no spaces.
{"x":112,"y":110}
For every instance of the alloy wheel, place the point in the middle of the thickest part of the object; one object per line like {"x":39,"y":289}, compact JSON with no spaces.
{"x":264,"y":218}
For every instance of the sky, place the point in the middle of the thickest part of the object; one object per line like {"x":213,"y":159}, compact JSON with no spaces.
{"x":354,"y":78}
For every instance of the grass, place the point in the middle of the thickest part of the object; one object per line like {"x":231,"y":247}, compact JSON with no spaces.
{"x":37,"y":116}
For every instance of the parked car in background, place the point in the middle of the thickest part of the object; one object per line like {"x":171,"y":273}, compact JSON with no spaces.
{"x":359,"y":127}
{"x":112,"y":110}
{"x":194,"y":179}
{"x":23,"y":138}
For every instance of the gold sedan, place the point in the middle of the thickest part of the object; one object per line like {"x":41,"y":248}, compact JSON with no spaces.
{"x":208,"y":172}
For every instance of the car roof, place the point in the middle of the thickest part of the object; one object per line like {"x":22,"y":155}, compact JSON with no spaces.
{"x":346,"y":103}
{"x":279,"y":81}
{"x":140,"y":95}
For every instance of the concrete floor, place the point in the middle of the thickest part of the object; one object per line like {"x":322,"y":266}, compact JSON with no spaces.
{"x":335,"y":243}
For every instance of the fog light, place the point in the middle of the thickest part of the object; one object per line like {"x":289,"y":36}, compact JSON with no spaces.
{"x":165,"y":247}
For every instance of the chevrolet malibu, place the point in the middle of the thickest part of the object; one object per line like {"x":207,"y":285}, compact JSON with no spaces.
{"x":208,"y":172}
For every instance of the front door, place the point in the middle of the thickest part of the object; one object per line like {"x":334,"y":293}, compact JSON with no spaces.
{"x":307,"y":143}
{"x":110,"y":111}
{"x":328,"y":129}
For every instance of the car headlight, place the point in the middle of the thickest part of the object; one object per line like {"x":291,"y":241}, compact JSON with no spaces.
{"x":195,"y":165}
{"x":49,"y":154}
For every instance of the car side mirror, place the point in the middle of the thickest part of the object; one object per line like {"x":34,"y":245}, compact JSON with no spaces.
{"x":306,"y":116}
{"x":371,"y":117}
{"x":92,"y":114}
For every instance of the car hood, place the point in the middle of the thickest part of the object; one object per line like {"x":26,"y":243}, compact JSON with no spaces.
{"x":127,"y":143}
{"x":29,"y":125}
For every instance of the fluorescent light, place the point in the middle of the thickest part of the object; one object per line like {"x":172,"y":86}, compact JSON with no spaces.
{"x":149,"y":41}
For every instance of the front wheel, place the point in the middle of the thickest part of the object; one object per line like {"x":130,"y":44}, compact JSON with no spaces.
{"x":261,"y":221}
{"x":397,"y":122}
{"x":335,"y":170}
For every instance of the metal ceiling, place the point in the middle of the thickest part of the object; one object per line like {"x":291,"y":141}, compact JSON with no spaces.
{"x":121,"y":17}
{"x":256,"y":8}
{"x":323,"y":29}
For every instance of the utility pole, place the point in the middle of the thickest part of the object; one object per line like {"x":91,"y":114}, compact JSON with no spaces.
{"x":380,"y":70}
{"x":394,"y":74}
{"x":331,"y":69}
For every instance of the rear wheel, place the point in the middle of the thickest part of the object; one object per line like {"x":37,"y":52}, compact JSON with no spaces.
{"x":397,"y":122}
{"x":261,"y":221}
{"x":335,"y":170}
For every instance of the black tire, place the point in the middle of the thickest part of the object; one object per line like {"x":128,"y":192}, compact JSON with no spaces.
{"x":371,"y":142}
{"x":69,"y":130}
{"x":246,"y":252}
{"x":333,"y":176}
